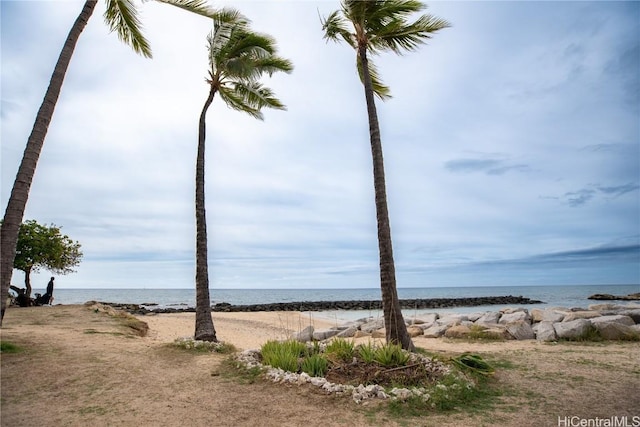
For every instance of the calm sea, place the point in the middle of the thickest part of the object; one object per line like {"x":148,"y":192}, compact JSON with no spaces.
{"x":564,"y":296}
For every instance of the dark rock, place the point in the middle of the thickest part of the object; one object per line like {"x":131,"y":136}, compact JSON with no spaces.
{"x":609,"y":297}
{"x":337,"y":305}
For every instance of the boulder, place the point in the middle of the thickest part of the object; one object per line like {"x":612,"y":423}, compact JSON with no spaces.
{"x":553,"y":316}
{"x":497,"y":332}
{"x":304,"y":335}
{"x":616,"y":318}
{"x":379,"y":333}
{"x":603,"y":307}
{"x":616,"y":331}
{"x":548,"y":315}
{"x":515,"y":316}
{"x":473,"y":317}
{"x":451,"y":319}
{"x":572,"y":329}
{"x":436,"y":331}
{"x":372,"y":325}
{"x":424,"y":326}
{"x":490,"y":317}
{"x":415,"y":331}
{"x":348,"y":333}
{"x":536,"y":315}
{"x":424,"y":318}
{"x":545,"y":331}
{"x":521,"y":330}
{"x":633,"y":313}
{"x":360,"y":334}
{"x":323,"y":334}
{"x":458,"y":331}
{"x":586,"y":314}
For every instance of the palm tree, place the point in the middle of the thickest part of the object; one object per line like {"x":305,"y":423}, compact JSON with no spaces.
{"x":122,"y":17}
{"x":377,"y":26}
{"x":238,"y":57}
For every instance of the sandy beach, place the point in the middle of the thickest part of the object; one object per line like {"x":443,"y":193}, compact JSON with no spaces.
{"x":79,"y":366}
{"x":244,"y":330}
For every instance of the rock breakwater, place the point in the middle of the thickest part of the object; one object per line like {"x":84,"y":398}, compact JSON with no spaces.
{"x":599,"y":321}
{"x":336,"y":305}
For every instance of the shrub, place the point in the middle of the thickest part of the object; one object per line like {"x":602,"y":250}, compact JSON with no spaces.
{"x":367,"y":352}
{"x":315,"y":365}
{"x":390,"y":355}
{"x":342,"y":349}
{"x":283,"y":355}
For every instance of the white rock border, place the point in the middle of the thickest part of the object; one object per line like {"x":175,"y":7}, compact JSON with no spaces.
{"x":250,"y":359}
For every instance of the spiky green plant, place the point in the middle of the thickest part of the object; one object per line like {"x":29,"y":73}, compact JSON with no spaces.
{"x":315,"y":365}
{"x":342,"y":349}
{"x":391,"y":355}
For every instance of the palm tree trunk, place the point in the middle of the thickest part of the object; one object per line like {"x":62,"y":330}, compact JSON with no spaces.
{"x":20,"y":192}
{"x":396,"y":330}
{"x":204,"y":323}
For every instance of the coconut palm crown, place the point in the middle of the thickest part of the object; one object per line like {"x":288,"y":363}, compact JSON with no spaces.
{"x":238,"y":57}
{"x":375,"y":26}
{"x":378,"y":26}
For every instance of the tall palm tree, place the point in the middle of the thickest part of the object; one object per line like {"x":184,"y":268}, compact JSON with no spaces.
{"x":122,"y":18}
{"x":238,"y":57}
{"x":374,"y":26}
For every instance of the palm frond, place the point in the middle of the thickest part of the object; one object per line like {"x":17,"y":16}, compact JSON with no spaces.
{"x":201,"y":7}
{"x":122,"y":18}
{"x":273,"y":64}
{"x":383,"y":92}
{"x":235,"y":101}
{"x":335,"y":27}
{"x":382,"y":12}
{"x":398,"y":36}
{"x":250,"y":97}
{"x":258,"y":96}
{"x":231,"y":16}
{"x":226,"y":26}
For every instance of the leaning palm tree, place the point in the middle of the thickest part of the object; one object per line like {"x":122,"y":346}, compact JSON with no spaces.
{"x":122,"y":17}
{"x":238,"y":57}
{"x":374,"y":26}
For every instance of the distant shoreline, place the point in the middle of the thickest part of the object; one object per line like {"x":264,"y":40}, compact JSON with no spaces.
{"x":354,"y":305}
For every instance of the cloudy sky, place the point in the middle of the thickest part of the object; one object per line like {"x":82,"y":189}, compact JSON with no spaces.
{"x":512,"y":149}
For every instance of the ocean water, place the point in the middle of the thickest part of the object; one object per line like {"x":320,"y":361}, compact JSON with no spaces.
{"x":552,"y":296}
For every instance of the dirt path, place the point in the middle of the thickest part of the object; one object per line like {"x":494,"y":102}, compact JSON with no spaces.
{"x":83,"y":368}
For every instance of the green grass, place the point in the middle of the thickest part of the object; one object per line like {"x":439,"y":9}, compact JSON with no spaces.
{"x":454,"y":393}
{"x":95,"y":331}
{"x":7,"y":347}
{"x":237,"y":371}
{"x":203,"y":346}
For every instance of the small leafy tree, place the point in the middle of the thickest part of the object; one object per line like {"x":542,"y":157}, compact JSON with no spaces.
{"x":44,"y":247}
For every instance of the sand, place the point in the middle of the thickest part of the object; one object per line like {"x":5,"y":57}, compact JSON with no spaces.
{"x":81,"y":367}
{"x":244,"y":330}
